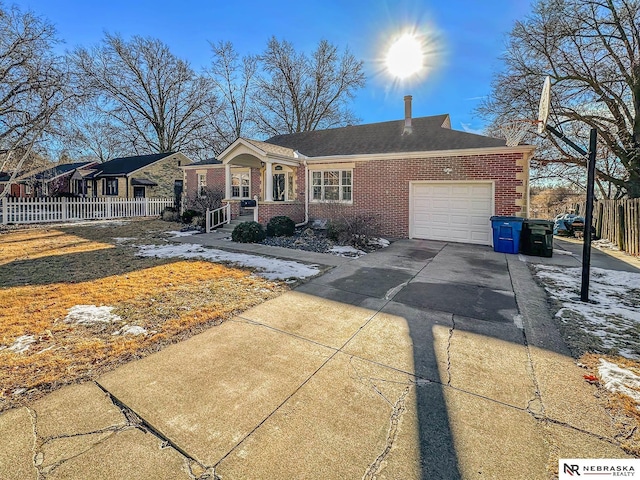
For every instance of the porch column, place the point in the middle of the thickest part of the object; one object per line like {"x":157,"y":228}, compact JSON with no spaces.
{"x":269,"y":181}
{"x":227,"y":181}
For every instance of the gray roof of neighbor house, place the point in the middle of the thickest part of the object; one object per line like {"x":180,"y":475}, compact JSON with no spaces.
{"x":428,"y":134}
{"x":126,"y":165}
{"x":61,"y":170}
{"x":208,"y":161}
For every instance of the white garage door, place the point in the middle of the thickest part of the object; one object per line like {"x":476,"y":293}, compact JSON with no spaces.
{"x":457,"y":212}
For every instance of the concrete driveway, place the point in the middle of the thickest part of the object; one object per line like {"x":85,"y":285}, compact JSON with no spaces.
{"x":423,"y":360}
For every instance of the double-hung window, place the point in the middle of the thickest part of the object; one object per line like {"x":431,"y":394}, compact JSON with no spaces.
{"x":110,"y":186}
{"x":202,"y":184}
{"x":240,"y":185}
{"x":331,"y":185}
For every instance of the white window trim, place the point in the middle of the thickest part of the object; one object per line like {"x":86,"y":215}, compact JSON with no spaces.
{"x":288,"y":175}
{"x":201,"y":185}
{"x":340,"y":185}
{"x":240,"y":175}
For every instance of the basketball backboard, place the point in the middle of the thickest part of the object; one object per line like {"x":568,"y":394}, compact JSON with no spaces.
{"x":543,"y":108}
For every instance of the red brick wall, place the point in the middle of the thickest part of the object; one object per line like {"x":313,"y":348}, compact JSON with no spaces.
{"x":293,"y":210}
{"x":300,"y":183}
{"x":381,"y":187}
{"x":255,"y":181}
{"x":235,"y":208}
{"x":215,"y":179}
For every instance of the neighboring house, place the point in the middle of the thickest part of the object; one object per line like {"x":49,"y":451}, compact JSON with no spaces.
{"x":417,"y":177}
{"x":156,"y":175}
{"x":4,"y":179}
{"x":44,"y":182}
{"x":57,"y":180}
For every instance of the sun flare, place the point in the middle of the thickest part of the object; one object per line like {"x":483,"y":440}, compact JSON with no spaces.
{"x":405,"y":57}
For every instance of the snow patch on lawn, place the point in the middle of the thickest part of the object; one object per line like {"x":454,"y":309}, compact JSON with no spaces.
{"x":187,"y":233}
{"x":108,"y":223}
{"x":20,"y":344}
{"x":620,"y":380}
{"x":614,"y":316}
{"x":346,"y":251}
{"x":269,"y":268}
{"x":90,"y":314}
{"x":124,"y":239}
{"x":131,"y":330}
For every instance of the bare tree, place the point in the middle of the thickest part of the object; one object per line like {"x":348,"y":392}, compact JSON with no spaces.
{"x":298,"y":93}
{"x":550,"y":201}
{"x":591,"y":51}
{"x":233,"y":78}
{"x":206,"y":199}
{"x":33,"y":86}
{"x":158,"y":102}
{"x":89,"y":132}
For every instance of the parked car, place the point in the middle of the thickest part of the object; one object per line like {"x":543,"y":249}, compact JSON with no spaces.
{"x":569,"y":224}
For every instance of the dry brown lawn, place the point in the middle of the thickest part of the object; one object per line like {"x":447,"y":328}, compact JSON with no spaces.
{"x":623,"y":410}
{"x":46,"y":271}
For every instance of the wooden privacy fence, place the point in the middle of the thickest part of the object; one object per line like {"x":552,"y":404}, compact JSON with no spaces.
{"x":50,"y":209}
{"x":618,"y":221}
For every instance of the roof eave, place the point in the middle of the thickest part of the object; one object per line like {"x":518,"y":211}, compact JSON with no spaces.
{"x":523,"y":149}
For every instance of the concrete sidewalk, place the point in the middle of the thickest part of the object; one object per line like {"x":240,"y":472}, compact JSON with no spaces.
{"x":422,"y":360}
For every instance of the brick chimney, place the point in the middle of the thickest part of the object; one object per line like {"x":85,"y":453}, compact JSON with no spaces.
{"x":407,"y":116}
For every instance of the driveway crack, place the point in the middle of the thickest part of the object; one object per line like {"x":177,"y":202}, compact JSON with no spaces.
{"x":134,"y":420}
{"x":394,"y":420}
{"x":449,"y":340}
{"x":37,"y":455}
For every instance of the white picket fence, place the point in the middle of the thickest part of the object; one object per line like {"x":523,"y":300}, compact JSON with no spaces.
{"x":50,"y":209}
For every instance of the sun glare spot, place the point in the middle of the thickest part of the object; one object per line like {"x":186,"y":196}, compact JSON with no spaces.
{"x":405,"y":57}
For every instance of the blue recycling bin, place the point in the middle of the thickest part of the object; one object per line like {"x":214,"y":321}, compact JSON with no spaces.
{"x":506,"y":233}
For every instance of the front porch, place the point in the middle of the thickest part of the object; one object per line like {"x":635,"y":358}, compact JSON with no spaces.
{"x":271,"y":176}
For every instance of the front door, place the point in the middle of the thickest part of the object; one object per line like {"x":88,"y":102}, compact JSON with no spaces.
{"x":138,"y":192}
{"x":177,"y":193}
{"x":279,"y":187}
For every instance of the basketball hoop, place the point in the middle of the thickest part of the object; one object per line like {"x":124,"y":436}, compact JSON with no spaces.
{"x":543,"y":107}
{"x":515,"y":130}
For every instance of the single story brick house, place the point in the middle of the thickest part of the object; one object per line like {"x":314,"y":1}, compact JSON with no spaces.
{"x":417,"y":177}
{"x":155,"y":175}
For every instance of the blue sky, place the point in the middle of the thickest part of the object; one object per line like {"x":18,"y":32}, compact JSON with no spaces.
{"x":470,"y":35}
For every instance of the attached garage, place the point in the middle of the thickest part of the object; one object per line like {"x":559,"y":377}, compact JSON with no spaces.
{"x":451,"y":211}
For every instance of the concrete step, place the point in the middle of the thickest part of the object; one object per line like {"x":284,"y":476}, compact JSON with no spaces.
{"x":228,"y":228}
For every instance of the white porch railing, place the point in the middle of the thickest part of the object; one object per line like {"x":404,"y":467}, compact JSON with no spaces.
{"x":217,"y":217}
{"x":51,"y":209}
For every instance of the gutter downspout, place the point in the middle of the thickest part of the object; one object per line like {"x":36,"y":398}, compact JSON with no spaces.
{"x":306,"y":195}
